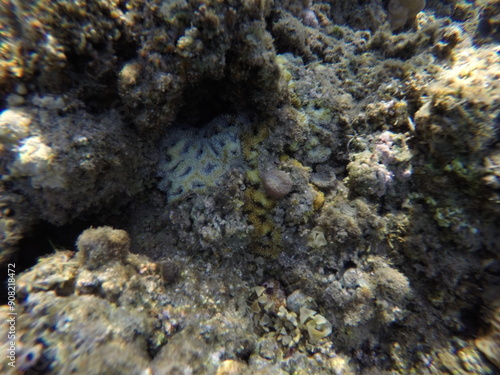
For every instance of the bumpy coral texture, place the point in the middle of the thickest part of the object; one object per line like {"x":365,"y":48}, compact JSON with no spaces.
{"x":194,"y":160}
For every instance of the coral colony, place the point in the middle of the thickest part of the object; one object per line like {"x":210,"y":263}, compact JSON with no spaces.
{"x":250,"y":187}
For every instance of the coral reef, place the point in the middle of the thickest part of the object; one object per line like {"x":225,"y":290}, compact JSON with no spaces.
{"x":287,"y":324}
{"x":96,"y":149}
{"x":374,"y":172}
{"x":208,"y":45}
{"x":77,"y":313}
{"x":194,"y":161}
{"x":301,"y":187}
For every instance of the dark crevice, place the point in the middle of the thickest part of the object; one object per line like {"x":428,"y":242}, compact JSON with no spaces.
{"x":206,"y":100}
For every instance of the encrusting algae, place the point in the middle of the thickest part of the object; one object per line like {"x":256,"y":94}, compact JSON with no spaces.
{"x":251,"y":187}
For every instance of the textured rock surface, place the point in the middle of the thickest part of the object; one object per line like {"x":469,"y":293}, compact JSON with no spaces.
{"x":402,"y":11}
{"x":160,"y":119}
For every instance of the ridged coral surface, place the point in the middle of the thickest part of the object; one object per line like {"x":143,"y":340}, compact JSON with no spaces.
{"x":194,"y":160}
{"x":250,"y":186}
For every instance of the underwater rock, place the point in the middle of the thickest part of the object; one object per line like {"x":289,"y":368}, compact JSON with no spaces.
{"x":375,"y":172}
{"x":489,"y":342}
{"x":95,"y":149}
{"x":375,"y":269}
{"x":402,"y":11}
{"x":99,"y":246}
{"x":192,"y":161}
{"x":276,"y":183}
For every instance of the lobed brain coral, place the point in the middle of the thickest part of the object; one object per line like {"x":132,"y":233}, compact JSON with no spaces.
{"x":193,"y":160}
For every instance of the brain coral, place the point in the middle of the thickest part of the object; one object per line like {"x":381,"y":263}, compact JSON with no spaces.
{"x":193,"y":159}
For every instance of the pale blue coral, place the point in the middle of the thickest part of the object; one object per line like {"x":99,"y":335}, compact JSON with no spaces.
{"x":193,"y":160}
